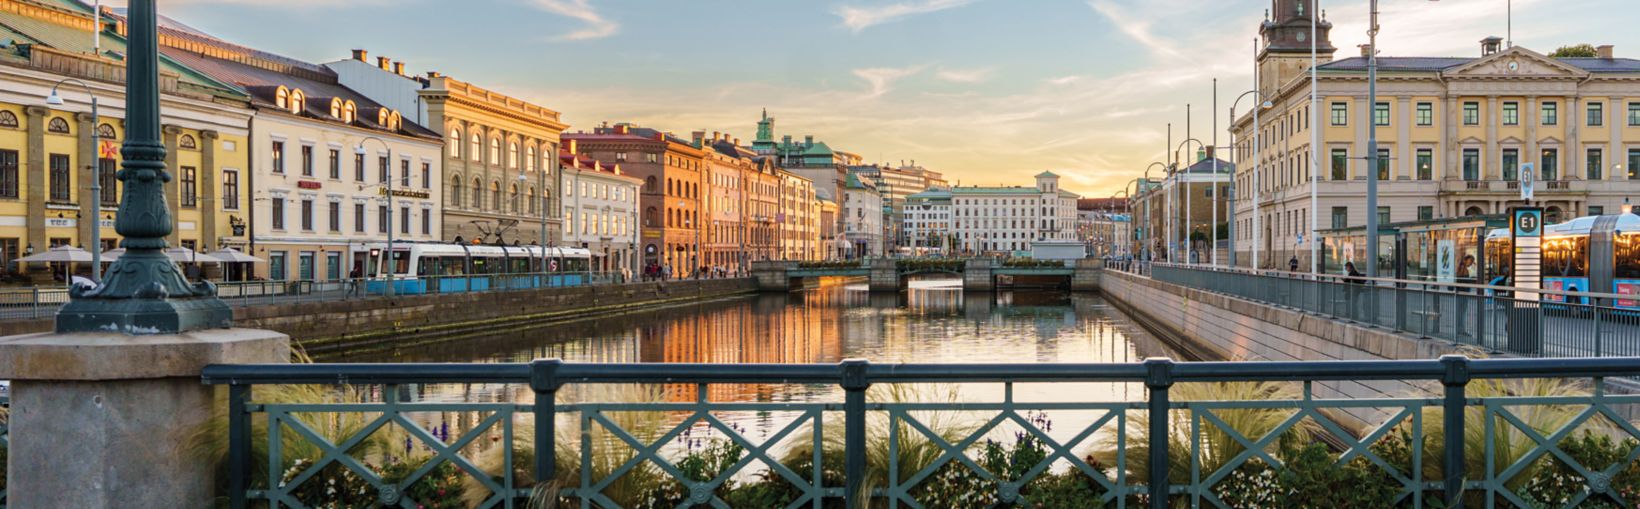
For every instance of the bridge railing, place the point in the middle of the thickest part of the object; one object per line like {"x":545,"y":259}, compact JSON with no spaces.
{"x":1185,"y":438}
{"x":1500,"y":319}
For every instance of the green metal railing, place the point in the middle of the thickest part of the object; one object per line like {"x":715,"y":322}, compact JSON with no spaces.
{"x":1160,"y":414}
{"x":5,"y":441}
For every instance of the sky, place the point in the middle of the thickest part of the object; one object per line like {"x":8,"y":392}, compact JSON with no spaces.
{"x":990,"y":92}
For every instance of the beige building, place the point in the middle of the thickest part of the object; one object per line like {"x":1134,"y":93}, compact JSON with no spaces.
{"x":799,"y":218}
{"x":1454,"y":136}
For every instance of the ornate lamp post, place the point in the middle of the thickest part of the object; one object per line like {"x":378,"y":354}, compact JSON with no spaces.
{"x":96,"y":173}
{"x":143,"y":292}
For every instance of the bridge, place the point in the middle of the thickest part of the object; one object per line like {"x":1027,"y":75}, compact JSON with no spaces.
{"x":891,"y":274}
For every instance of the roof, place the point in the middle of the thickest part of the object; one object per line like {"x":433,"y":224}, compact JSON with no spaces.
{"x":1432,"y":64}
{"x":931,"y":194}
{"x":28,"y":29}
{"x":1047,"y":174}
{"x":995,"y":190}
{"x":1206,"y":166}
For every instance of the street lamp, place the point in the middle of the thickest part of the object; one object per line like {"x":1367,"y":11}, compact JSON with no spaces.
{"x":359,"y":150}
{"x":1263,"y":105}
{"x":96,"y":175}
{"x":1188,"y":209}
{"x":1150,"y":233}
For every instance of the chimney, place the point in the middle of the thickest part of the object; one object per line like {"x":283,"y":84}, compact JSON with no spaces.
{"x":621,"y":128}
{"x":1603,"y":51}
{"x":808,"y":141}
{"x":736,"y":142}
{"x":361,"y":55}
{"x":398,"y":68}
{"x":384,"y":64}
{"x":432,"y":74}
{"x":1210,"y":153}
{"x":1366,"y":50}
{"x":699,"y":137}
{"x":1491,"y":45}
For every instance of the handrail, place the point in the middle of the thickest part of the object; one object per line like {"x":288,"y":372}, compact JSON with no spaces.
{"x":1339,"y":278}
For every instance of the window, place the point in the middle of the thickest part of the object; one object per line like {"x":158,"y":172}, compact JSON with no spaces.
{"x":307,"y":215}
{"x":230,"y":190}
{"x":495,"y":194}
{"x":1551,"y":113}
{"x":277,"y":213}
{"x":495,"y":151}
{"x":107,"y":171}
{"x":1511,"y":113}
{"x":304,"y":266}
{"x":333,"y":266}
{"x":455,"y":191}
{"x":1426,"y":212}
{"x":1426,"y":164}
{"x":426,"y":175}
{"x":60,"y":175}
{"x":1340,"y":217}
{"x":307,"y":160}
{"x":186,"y":142}
{"x":1634,"y":114}
{"x":57,"y":125}
{"x":8,"y":119}
{"x":1592,"y":164}
{"x":350,"y":111}
{"x":1471,"y":164}
{"x":1549,"y":165}
{"x":276,"y":265}
{"x":382,"y":218}
{"x":335,"y":164}
{"x":358,"y":218}
{"x":454,"y":143}
{"x":1340,"y":164}
{"x":383,"y":170}
{"x":1471,"y":113}
{"x":358,"y":167}
{"x":1597,"y":114}
{"x":1383,"y":215}
{"x":404,"y":173}
{"x":1597,"y":210}
{"x":1426,"y":114}
{"x":1380,"y":114}
{"x":512,"y":155}
{"x":190,"y":186}
{"x":105,"y":131}
{"x":335,"y":216}
{"x":8,"y":178}
{"x":1383,"y":164}
{"x":1634,"y":164}
{"x":335,"y":108}
{"x":475,"y":147}
{"x":278,"y":154}
{"x":1340,"y":114}
{"x":426,"y":221}
{"x":404,"y":219}
{"x":478,"y":194}
{"x":1511,"y":163}
{"x":298,"y":101}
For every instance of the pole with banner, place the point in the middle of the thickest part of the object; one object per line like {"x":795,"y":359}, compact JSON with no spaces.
{"x":1526,"y":234}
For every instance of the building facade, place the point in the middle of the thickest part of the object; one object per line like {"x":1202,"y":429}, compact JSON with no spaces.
{"x":331,"y":170}
{"x":1188,"y":210}
{"x":1454,"y":136}
{"x":896,"y":184}
{"x":799,"y":218}
{"x":50,"y":154}
{"x":600,"y":211}
{"x":1008,"y":220}
{"x":927,"y":222}
{"x":862,"y":219}
{"x":671,"y":170}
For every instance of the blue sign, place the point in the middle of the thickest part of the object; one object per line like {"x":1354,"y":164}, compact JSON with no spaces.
{"x":1527,"y":222}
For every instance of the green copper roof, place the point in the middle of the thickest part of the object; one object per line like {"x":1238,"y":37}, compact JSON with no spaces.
{"x":1047,"y":174}
{"x":69,"y":39}
{"x":995,"y":190}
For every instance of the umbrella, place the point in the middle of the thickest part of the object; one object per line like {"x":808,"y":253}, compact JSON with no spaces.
{"x":176,"y":254}
{"x":64,"y":253}
{"x":231,"y":255}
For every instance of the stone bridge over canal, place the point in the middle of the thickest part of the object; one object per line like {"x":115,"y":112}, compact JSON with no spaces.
{"x":890,"y":275}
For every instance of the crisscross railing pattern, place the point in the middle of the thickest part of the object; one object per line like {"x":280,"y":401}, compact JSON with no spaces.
{"x":1415,"y":484}
{"x":5,"y":441}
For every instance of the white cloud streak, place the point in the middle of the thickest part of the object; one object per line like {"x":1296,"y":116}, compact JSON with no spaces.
{"x":857,"y":18}
{"x":597,"y":27}
{"x":882,"y":79}
{"x":964,"y":75}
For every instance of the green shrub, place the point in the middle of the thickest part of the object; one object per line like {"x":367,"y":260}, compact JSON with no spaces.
{"x":1312,"y":477}
{"x":1556,"y":483}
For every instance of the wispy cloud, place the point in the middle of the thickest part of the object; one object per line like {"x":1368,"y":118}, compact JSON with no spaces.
{"x":1135,"y":27}
{"x":597,"y":26}
{"x":1064,"y":80}
{"x":858,"y":18}
{"x":965,"y":75}
{"x":882,"y":79}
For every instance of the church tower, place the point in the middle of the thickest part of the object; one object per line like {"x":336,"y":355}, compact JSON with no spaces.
{"x":764,"y":144}
{"x":1285,"y":43}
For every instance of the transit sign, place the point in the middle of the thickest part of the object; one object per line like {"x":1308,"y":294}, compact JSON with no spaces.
{"x":1526,"y":230}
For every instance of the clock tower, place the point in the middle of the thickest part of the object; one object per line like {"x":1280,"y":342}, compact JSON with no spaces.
{"x":1284,"y":51}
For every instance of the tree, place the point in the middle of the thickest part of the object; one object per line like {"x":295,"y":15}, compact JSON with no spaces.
{"x":1578,"y":50}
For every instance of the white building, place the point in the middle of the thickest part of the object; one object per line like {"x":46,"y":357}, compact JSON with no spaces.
{"x":1009,"y":220}
{"x":600,"y":211}
{"x":862,"y":218}
{"x":927,"y":222}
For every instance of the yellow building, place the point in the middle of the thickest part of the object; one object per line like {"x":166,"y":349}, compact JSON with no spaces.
{"x":48,"y":153}
{"x":1454,"y":136}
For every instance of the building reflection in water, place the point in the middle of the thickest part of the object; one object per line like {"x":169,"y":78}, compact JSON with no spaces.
{"x":932,"y":322}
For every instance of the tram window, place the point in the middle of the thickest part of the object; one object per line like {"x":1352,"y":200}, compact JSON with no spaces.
{"x":1498,"y":257}
{"x":1566,"y":257}
{"x":520,"y":265}
{"x":1626,"y":250}
{"x":480,"y":266}
{"x":401,"y":262}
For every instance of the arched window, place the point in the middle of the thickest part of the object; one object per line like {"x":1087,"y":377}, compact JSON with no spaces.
{"x":650,"y":216}
{"x":394,"y":121}
{"x":475,"y":148}
{"x":478,"y":194}
{"x":512,"y":155}
{"x":669,"y":187}
{"x":495,"y":194}
{"x":516,"y":207}
{"x":335,"y":108}
{"x":534,"y":205}
{"x":187,"y":142}
{"x":105,"y":131}
{"x":455,"y":190}
{"x":495,"y":151}
{"x":350,"y":112}
{"x":455,"y":142}
{"x":8,"y":119}
{"x":529,"y":158}
{"x":281,"y":98}
{"x":297,"y":101}
{"x":650,"y":185}
{"x":57,"y":125}
{"x":381,"y":117}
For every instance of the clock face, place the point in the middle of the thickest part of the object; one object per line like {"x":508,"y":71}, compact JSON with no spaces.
{"x":1301,"y":36}
{"x":1514,"y":66}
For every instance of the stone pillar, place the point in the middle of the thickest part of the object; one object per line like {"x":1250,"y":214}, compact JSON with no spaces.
{"x":84,"y":174}
{"x":772,"y":276}
{"x":105,"y":420}
{"x":35,"y":179}
{"x":1492,"y":160}
{"x":1086,"y":276}
{"x":173,"y":188}
{"x":210,"y":193}
{"x":977,"y":276}
{"x":885,"y":276}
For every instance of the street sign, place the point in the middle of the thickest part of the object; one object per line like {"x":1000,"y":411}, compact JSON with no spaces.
{"x":1527,"y":179}
{"x":1526,"y":230}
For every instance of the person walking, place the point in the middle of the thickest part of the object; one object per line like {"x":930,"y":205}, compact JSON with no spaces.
{"x":1292,"y":265}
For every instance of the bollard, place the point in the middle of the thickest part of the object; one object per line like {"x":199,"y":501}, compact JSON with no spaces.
{"x":854,"y":384}
{"x":1452,"y":415}
{"x":1158,"y":379}
{"x":544,"y":381}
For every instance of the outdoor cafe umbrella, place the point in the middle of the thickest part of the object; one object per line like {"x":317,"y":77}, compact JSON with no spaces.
{"x":63,"y":254}
{"x":176,"y":254}
{"x":231,"y":255}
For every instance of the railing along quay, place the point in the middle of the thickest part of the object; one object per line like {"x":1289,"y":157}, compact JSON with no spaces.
{"x":1166,"y":428}
{"x":1561,"y":324}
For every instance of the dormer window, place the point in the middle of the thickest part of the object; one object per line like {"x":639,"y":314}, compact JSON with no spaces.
{"x":350,"y":112}
{"x":297,"y":100}
{"x":394,"y":121}
{"x":335,"y":108}
{"x":281,"y":98}
{"x":381,"y":117}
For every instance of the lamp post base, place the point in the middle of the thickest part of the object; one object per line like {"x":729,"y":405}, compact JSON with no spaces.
{"x":144,"y":293}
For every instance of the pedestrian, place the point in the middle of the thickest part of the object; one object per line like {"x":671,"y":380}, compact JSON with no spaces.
{"x":1292,"y":265}
{"x":666,"y":272}
{"x":1462,"y":292}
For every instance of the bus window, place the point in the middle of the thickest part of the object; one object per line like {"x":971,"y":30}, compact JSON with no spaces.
{"x":1566,"y":257}
{"x":1500,"y":254}
{"x":1626,"y":250}
{"x":401,"y":262}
